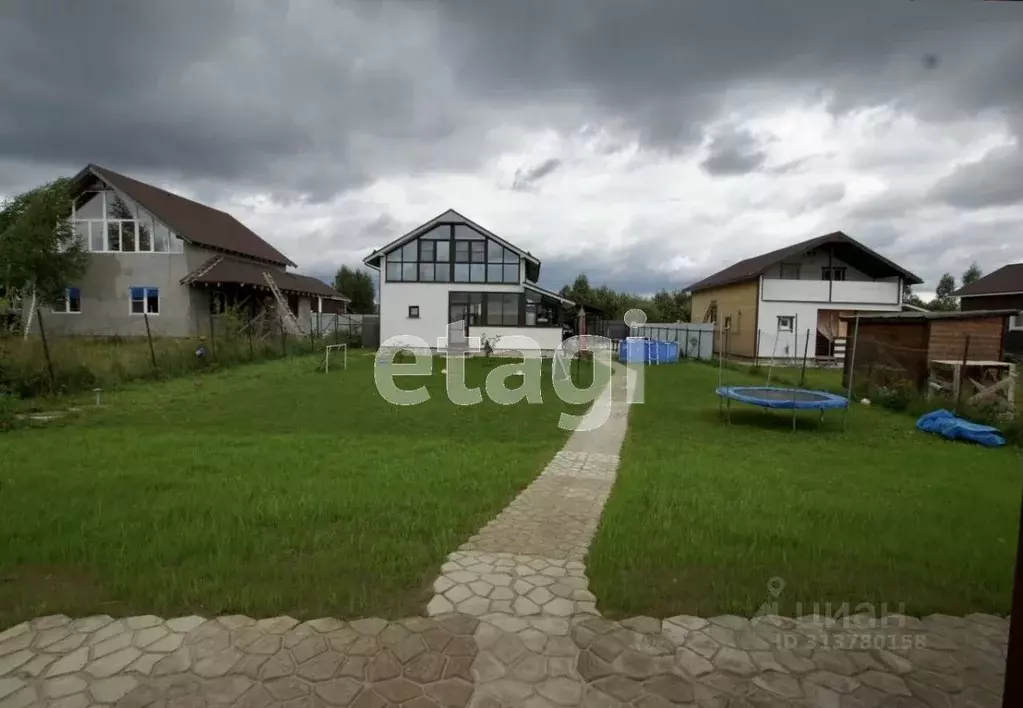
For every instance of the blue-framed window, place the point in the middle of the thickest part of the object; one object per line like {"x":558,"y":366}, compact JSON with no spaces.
{"x":145,"y":300}
{"x":72,"y":301}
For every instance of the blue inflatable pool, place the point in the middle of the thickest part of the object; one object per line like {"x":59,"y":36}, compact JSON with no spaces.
{"x":637,"y":350}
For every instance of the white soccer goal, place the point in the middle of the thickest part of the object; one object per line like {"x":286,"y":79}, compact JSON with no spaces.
{"x":326,"y":356}
{"x":561,"y":366}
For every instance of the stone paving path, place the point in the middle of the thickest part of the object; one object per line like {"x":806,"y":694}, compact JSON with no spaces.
{"x":503,"y":660}
{"x":512,"y":624}
{"x":528,"y":560}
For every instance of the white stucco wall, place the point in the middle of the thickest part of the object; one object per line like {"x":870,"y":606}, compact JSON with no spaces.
{"x":805,"y":297}
{"x":432,"y":300}
{"x":532,"y":341}
{"x":791,"y":344}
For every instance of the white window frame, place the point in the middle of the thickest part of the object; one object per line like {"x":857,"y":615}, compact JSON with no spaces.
{"x":791,"y":320}
{"x":174,"y":243}
{"x":67,"y":303}
{"x":830,"y":272}
{"x":1016,"y":322}
{"x":798,"y":267}
{"x":145,"y":301}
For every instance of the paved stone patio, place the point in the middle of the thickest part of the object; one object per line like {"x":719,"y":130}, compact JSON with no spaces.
{"x":512,"y":623}
{"x":503,"y":660}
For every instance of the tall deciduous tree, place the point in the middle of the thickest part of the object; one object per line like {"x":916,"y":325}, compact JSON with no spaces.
{"x":944,"y":300}
{"x":670,"y":306}
{"x":972,"y":274}
{"x":38,"y":247}
{"x":356,"y":284}
{"x":579,"y":289}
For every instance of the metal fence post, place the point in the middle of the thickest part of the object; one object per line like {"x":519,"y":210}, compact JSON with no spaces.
{"x":806,"y":348}
{"x":213,"y":342}
{"x":149,"y":336}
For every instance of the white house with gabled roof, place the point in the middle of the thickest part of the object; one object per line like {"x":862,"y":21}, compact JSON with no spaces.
{"x":450,"y":280}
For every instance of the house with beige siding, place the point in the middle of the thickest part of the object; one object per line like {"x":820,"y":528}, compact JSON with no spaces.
{"x":158,"y":257}
{"x":790,"y":301}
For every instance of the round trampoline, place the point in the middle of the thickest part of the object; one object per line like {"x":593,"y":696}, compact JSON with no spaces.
{"x":782,"y":398}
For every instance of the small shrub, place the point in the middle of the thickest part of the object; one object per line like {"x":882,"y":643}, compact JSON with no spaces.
{"x":8,"y":417}
{"x":897,"y":395}
{"x":487,"y":343}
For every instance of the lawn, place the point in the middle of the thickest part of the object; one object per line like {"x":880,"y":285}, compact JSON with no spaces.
{"x":703,"y":515}
{"x":264,"y":489}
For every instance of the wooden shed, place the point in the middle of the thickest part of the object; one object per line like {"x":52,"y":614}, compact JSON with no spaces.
{"x":900,"y":347}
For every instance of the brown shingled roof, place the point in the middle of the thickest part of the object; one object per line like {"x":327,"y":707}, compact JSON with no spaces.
{"x":192,"y":221}
{"x":849,"y":250}
{"x":1007,"y":279}
{"x":224,"y":269}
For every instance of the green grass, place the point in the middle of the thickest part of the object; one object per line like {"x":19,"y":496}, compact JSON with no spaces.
{"x":68,"y":365}
{"x":264,"y":490}
{"x":703,"y":515}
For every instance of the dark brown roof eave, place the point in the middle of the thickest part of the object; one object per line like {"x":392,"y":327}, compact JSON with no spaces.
{"x":1006,"y":280}
{"x":182,"y":215}
{"x":754,"y":267}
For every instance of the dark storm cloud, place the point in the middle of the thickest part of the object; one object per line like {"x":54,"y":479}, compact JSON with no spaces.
{"x":311,"y":98}
{"x":994,"y":180}
{"x":295,"y":99}
{"x":733,"y":152}
{"x":665,"y":67}
{"x":307,"y":100}
{"x":527,"y":177}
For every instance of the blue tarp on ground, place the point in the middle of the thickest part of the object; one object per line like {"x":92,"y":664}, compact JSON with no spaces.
{"x":952,"y":427}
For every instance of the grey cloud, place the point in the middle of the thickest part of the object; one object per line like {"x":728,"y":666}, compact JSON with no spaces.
{"x":301,"y":100}
{"x":994,"y":180}
{"x":734,"y":152}
{"x":527,"y":177}
{"x":823,"y":196}
{"x":629,"y":274}
{"x":305,"y":101}
{"x":665,"y":67}
{"x":309,"y":99}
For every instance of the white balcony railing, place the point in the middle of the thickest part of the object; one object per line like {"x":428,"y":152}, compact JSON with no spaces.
{"x":864,"y":292}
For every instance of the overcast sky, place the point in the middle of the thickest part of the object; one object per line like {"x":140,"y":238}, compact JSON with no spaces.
{"x":644,"y":142}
